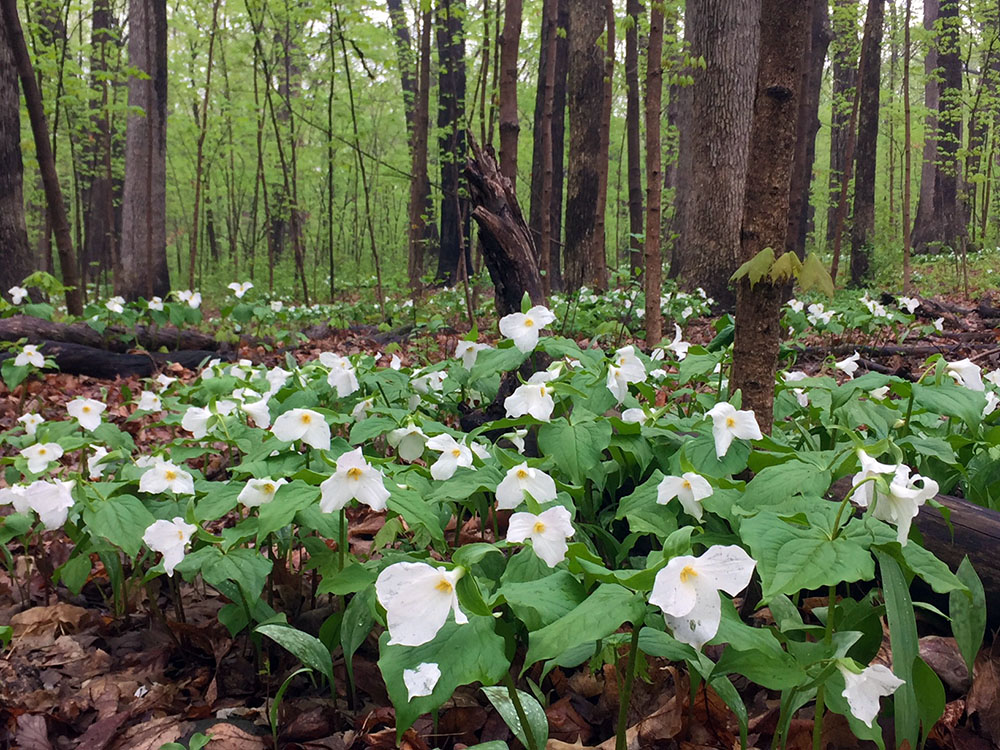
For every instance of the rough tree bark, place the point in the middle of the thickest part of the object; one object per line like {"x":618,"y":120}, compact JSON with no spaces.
{"x":866,"y":148}
{"x":509,"y":126}
{"x":635,"y":244}
{"x":784,"y":31}
{"x":715,"y":137}
{"x":421,"y":228}
{"x":46,"y":161}
{"x":925,"y":196}
{"x":586,"y":96}
{"x":600,"y":228}
{"x":143,"y":270}
{"x":15,"y":252}
{"x":844,"y":51}
{"x":653,"y":277}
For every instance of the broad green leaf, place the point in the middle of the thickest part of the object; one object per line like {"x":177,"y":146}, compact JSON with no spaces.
{"x":931,"y":699}
{"x":576,"y":448}
{"x":952,"y":400}
{"x":905,"y":648}
{"x":541,"y":602}
{"x":288,"y":500}
{"x":968,"y":613}
{"x":815,"y":276}
{"x":306,"y":648}
{"x":701,"y":453}
{"x":644,"y":514}
{"x":122,"y":520}
{"x":533,"y":712}
{"x":773,"y":485}
{"x":355,"y":627}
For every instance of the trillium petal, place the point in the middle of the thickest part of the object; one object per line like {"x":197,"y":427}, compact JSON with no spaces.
{"x":728,"y":568}
{"x":863,"y":691}
{"x":417,"y":599}
{"x":701,"y":623}
{"x":673,"y":588}
{"x":422,"y":680}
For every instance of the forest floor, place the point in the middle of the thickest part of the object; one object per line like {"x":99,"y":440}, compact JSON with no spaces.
{"x":75,"y":675}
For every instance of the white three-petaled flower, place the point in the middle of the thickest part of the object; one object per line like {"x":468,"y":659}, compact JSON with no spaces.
{"x":625,"y":368}
{"x":687,"y":590}
{"x":305,"y":425}
{"x":29,"y":355}
{"x":149,"y":401}
{"x":169,"y":538}
{"x":849,"y":366}
{"x":40,"y":455}
{"x":870,"y":468}
{"x":259,"y":492}
{"x":467,"y":351}
{"x":87,"y":412}
{"x":678,"y":346}
{"x":966,"y":373}
{"x":533,"y":397}
{"x":408,"y":441}
{"x":903,"y":502}
{"x":50,"y":500}
{"x":417,"y":598}
{"x":689,"y":488}
{"x":548,"y":532}
{"x":30,"y":422}
{"x":453,"y":455}
{"x":523,"y":479}
{"x":164,"y":475}
{"x":523,"y":328}
{"x":17,"y":294}
{"x":863,"y":691}
{"x":355,"y":479}
{"x":342,"y":376}
{"x":729,"y":423}
{"x":240,"y":289}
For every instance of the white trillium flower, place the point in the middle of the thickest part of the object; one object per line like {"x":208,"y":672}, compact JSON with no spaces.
{"x":183,"y":296}
{"x":634,"y":415}
{"x":240,"y":289}
{"x":422,"y":680}
{"x":687,"y":590}
{"x":729,"y":423}
{"x":417,"y":598}
{"x":431,"y":381}
{"x":863,"y":691}
{"x":533,"y":397}
{"x":116,"y":305}
{"x":169,"y":538}
{"x":276,"y":378}
{"x":879,"y":393}
{"x":689,"y":488}
{"x":50,"y":500}
{"x":408,"y":441}
{"x":29,"y":355}
{"x":910,"y":304}
{"x":967,"y":374}
{"x":993,"y":377}
{"x":30,"y":422}
{"x":164,"y":475}
{"x":453,"y":455}
{"x":94,"y":462}
{"x":87,"y":412}
{"x":467,"y":351}
{"x":548,"y":532}
{"x":361,"y":409}
{"x":523,"y":328}
{"x":17,"y":294}
{"x":800,"y":393}
{"x":678,"y":346}
{"x":149,"y":401}
{"x":849,"y":366}
{"x":305,"y":425}
{"x":395,"y":363}
{"x":194,"y":301}
{"x":14,"y":495}
{"x":903,"y":502}
{"x":625,"y":368}
{"x":796,"y":305}
{"x":155,"y":304}
{"x":258,"y":412}
{"x":40,"y":455}
{"x":523,"y":479}
{"x":342,"y":376}
{"x":195,"y":421}
{"x":277,"y":305}
{"x":164,"y":381}
{"x":870,"y":468}
{"x":991,"y":403}
{"x":516,"y":438}
{"x":818,"y":314}
{"x":259,"y":492}
{"x":939,"y":324}
{"x":354,"y":479}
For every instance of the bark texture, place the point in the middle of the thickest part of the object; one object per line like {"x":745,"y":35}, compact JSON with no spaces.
{"x":784,"y":31}
{"x":925,"y":196}
{"x":653,"y":280}
{"x":844,"y":50}
{"x":509,"y":126}
{"x":715,"y":134}
{"x":635,"y":244}
{"x":421,"y":229}
{"x":585,"y":265}
{"x":143,"y":271}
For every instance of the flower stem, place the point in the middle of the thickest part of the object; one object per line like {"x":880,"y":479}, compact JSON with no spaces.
{"x":817,"y":738}
{"x":522,"y":717}
{"x":625,"y":696}
{"x":342,"y":541}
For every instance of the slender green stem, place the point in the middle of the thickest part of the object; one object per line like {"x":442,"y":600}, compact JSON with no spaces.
{"x":625,"y":695}
{"x":342,"y":541}
{"x":821,"y":690}
{"x":519,"y":710}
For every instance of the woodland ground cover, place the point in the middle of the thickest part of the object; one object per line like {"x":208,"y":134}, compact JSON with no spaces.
{"x":347,"y":544}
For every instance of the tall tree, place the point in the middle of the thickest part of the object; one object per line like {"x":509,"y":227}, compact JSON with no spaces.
{"x":925,"y":196}
{"x":15,"y":253}
{"x":509,"y":125}
{"x":944,"y":225}
{"x":46,"y":160}
{"x":784,"y":31}
{"x":451,"y":137}
{"x":143,"y":270}
{"x":653,"y":278}
{"x":714,"y":143}
{"x":635,"y":244}
{"x":844,"y":52}
{"x":585,"y":264}
{"x":603,"y":159}
{"x":866,"y":148}
{"x":907,"y":155}
{"x":421,"y":228}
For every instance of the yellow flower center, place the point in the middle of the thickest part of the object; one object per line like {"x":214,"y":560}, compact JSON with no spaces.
{"x":269,"y":488}
{"x":86,"y":410}
{"x":180,"y":533}
{"x":522,"y":474}
{"x":730,"y":422}
{"x":170,"y":475}
{"x":354,"y":473}
{"x":456,"y":452}
{"x":42,"y":451}
{"x":444,"y":585}
{"x":528,"y":322}
{"x":539,"y":527}
{"x":688,"y":573}
{"x":686,"y":484}
{"x":542,"y":392}
{"x":305,"y":419}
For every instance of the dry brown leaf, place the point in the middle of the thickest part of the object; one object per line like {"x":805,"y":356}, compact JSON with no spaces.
{"x":152,"y":734}
{"x":984,"y":697}
{"x":942,"y":655}
{"x":226,"y":736}
{"x":62,"y":617}
{"x":32,"y":732}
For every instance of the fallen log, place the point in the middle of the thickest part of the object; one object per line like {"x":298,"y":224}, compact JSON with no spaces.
{"x":78,"y":359}
{"x":116,"y":339}
{"x":889,"y":350}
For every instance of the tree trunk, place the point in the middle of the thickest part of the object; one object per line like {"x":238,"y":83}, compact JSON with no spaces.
{"x":784,"y":31}
{"x":653,"y":277}
{"x":144,"y":232}
{"x":420,"y":207}
{"x":866,"y":148}
{"x":509,"y":126}
{"x":46,"y":161}
{"x":635,"y":218}
{"x":404,"y":58}
{"x":907,"y":156}
{"x":16,"y":260}
{"x":586,"y":94}
{"x":559,"y":102}
{"x":925,"y":197}
{"x":542,"y":157}
{"x":945,"y":225}
{"x":600,"y":228}
{"x":715,"y":133}
{"x":799,"y":209}
{"x":451,"y":138}
{"x":844,"y":51}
